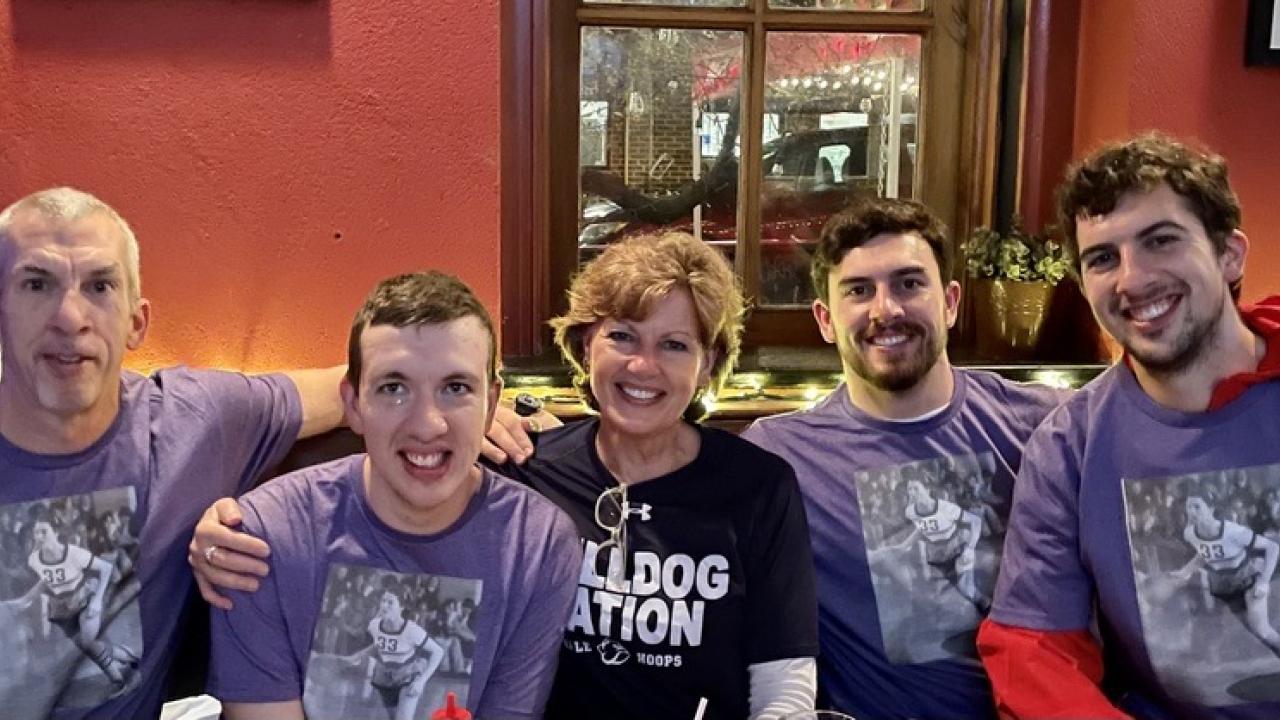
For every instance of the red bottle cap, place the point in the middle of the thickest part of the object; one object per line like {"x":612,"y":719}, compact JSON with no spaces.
{"x":451,"y":710}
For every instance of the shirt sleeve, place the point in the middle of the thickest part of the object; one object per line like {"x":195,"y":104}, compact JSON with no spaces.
{"x":757,"y":435}
{"x":1044,"y":674}
{"x":525,"y":664}
{"x":1036,"y":647}
{"x":257,"y":418}
{"x":252,"y":658}
{"x":781,"y":688}
{"x":782,"y":605}
{"x":1043,"y":583}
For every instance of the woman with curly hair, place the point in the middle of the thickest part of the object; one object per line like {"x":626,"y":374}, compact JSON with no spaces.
{"x":697,"y":584}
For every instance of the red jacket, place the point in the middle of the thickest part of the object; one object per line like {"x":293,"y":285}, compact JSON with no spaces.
{"x":1055,"y":674}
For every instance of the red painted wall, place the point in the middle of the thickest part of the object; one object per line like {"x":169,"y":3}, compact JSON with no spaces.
{"x":1178,"y":65}
{"x":275,"y":157}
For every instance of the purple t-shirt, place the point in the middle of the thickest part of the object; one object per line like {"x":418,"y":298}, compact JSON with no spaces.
{"x":353,"y":609}
{"x":1166,"y":520}
{"x":119,"y":514}
{"x":885,"y":559}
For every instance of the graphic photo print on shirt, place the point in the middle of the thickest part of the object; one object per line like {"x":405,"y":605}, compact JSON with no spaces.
{"x":933,"y":530}
{"x":390,"y":644}
{"x":1204,"y":549}
{"x":70,"y":628}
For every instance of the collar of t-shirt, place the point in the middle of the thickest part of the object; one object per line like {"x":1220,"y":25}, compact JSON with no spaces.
{"x":842,"y":403}
{"x":920,"y":418}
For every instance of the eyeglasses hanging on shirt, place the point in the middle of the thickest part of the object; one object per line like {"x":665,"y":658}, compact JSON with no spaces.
{"x":611,"y":516}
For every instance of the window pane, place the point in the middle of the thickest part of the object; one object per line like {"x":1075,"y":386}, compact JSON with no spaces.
{"x":891,"y":5}
{"x":658,"y":135}
{"x":845,"y":105}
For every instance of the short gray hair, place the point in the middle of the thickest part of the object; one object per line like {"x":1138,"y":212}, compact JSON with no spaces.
{"x":65,"y":204}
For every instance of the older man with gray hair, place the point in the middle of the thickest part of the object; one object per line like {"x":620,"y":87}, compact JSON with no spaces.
{"x":83,"y":439}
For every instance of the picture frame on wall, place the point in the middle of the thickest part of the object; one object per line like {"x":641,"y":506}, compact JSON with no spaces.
{"x":1262,"y":34}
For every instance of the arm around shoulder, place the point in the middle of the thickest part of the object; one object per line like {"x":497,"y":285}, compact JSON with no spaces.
{"x":321,"y":401}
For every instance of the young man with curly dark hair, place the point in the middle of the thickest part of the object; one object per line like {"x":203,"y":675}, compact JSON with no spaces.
{"x":1156,"y":231}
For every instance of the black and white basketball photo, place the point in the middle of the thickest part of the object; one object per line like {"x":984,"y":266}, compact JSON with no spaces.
{"x":1204,"y":548}
{"x":933,"y":531}
{"x":390,"y":645}
{"x":68,"y":601}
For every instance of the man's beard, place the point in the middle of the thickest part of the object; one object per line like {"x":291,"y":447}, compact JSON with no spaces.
{"x":907,"y":372}
{"x":1192,"y":344}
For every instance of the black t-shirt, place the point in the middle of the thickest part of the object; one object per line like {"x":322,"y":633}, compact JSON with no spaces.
{"x":718,"y":575}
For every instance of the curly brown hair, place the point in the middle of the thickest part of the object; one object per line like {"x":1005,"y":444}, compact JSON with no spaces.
{"x":627,"y":279}
{"x":860,"y":223}
{"x":1094,"y":186}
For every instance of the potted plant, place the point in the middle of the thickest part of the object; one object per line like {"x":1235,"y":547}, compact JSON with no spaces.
{"x":1013,"y":279}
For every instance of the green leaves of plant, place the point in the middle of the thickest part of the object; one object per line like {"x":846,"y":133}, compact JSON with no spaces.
{"x":1019,"y":255}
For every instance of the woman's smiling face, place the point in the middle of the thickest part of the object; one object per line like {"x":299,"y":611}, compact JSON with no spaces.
{"x":644,"y":373}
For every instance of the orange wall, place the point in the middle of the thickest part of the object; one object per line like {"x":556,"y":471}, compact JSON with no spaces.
{"x":275,"y":157}
{"x":1178,"y":65}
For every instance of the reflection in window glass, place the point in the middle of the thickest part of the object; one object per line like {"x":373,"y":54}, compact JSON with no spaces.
{"x":837,"y":120}
{"x":593,"y":150}
{"x":667,"y":108}
{"x":846,"y":108}
{"x":864,"y":5}
{"x":772,"y":126}
{"x":713,"y":125}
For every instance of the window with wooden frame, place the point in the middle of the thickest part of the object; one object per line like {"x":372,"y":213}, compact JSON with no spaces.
{"x":744,"y":122}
